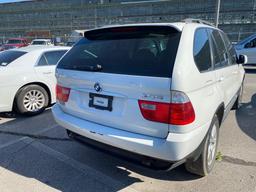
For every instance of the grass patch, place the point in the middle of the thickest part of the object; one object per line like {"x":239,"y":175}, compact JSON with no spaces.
{"x":219,"y":156}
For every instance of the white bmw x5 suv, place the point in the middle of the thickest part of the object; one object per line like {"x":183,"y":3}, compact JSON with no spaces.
{"x":160,"y":91}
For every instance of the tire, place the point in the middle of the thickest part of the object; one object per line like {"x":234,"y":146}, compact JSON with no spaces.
{"x":204,"y":164}
{"x":238,"y":102}
{"x":31,"y":100}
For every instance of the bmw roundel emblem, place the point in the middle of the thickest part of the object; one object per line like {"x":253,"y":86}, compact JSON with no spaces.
{"x":97,"y":87}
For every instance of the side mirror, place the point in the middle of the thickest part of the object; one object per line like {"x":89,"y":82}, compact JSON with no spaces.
{"x":242,"y":59}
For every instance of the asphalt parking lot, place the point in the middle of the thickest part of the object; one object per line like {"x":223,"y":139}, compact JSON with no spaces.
{"x":36,"y":155}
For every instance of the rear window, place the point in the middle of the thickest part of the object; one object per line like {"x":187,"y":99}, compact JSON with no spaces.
{"x":14,"y":41}
{"x":7,"y":57}
{"x":143,"y":51}
{"x":38,"y":43}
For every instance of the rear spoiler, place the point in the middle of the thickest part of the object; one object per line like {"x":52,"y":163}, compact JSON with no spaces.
{"x":117,"y":31}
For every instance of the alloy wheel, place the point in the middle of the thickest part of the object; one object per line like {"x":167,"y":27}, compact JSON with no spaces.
{"x":212,"y":146}
{"x":34,"y":100}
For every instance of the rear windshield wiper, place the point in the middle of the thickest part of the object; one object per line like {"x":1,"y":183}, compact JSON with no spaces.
{"x":87,"y":67}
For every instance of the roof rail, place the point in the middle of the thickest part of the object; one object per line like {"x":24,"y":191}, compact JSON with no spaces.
{"x":191,"y":20}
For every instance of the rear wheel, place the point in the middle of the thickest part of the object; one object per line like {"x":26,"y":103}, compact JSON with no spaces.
{"x":32,"y":100}
{"x":204,"y":164}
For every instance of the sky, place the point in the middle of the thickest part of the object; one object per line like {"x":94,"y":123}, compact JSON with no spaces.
{"x":8,"y":1}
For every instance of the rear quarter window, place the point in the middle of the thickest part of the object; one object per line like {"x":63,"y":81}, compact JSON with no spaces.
{"x":142,"y":51}
{"x":51,"y":57}
{"x":201,"y":51}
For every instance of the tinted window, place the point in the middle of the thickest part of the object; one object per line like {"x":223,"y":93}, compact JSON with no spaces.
{"x":38,"y":43}
{"x":251,"y":44}
{"x":222,"y":52}
{"x":202,"y":53}
{"x":214,"y":49}
{"x":145,"y":51}
{"x":246,"y":40}
{"x":14,"y":41}
{"x":53,"y":57}
{"x":7,"y":57}
{"x":42,"y":61}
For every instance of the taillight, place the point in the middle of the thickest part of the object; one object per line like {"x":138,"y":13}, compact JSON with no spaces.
{"x":178,"y":112}
{"x":62,"y":93}
{"x":155,"y":111}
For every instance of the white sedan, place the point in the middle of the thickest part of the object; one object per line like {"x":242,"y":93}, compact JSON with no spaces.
{"x":27,"y":80}
{"x":37,"y":42}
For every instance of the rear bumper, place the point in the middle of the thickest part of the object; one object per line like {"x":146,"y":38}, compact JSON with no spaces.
{"x":173,"y":148}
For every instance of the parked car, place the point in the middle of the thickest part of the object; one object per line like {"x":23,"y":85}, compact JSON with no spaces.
{"x":248,"y":47}
{"x":40,"y":42}
{"x":27,"y":80}
{"x":75,"y":36}
{"x":160,"y":91}
{"x":15,"y":43}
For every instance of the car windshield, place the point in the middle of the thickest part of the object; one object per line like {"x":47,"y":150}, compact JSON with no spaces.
{"x":38,"y":42}
{"x":14,"y":41}
{"x":6,"y":57}
{"x":144,"y":51}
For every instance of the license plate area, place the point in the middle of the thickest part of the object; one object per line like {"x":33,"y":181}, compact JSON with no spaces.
{"x":102,"y":102}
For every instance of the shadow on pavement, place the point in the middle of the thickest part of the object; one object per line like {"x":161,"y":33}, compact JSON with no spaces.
{"x":9,"y":115}
{"x":133,"y":163}
{"x":26,"y":160}
{"x":246,"y":117}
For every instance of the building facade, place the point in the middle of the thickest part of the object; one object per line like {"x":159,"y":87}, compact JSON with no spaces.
{"x":57,"y":18}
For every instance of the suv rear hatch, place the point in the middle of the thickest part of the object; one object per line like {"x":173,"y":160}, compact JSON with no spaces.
{"x":111,"y":70}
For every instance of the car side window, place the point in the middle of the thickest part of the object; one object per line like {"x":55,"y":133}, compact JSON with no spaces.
{"x":221,"y":49}
{"x":230,"y":48}
{"x":42,"y":61}
{"x":53,"y":57}
{"x":201,"y":50}
{"x":251,"y":44}
{"x":214,"y":50}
